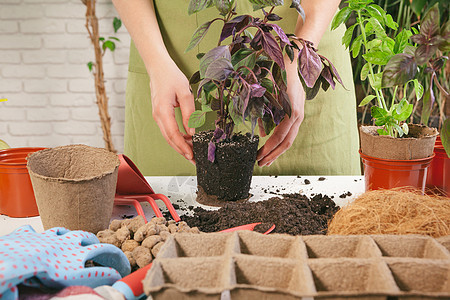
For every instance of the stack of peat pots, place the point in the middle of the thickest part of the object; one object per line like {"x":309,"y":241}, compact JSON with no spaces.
{"x":397,"y":162}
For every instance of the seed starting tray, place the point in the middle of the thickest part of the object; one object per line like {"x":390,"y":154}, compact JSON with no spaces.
{"x":249,"y":265}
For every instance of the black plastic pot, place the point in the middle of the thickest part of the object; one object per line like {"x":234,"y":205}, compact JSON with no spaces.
{"x":228,"y":178}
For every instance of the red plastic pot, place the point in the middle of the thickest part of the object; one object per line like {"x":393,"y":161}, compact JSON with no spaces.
{"x":388,"y":173}
{"x":435,"y":179}
{"x":16,"y":193}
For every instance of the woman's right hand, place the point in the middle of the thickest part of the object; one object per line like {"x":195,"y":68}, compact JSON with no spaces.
{"x":169,"y":89}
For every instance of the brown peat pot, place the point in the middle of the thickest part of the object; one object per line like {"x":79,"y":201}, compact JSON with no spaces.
{"x":228,"y":178}
{"x":397,"y":162}
{"x":74,"y":186}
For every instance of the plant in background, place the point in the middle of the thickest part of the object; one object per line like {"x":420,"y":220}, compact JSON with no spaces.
{"x":100,"y":47}
{"x":393,"y":62}
{"x":245,"y":80}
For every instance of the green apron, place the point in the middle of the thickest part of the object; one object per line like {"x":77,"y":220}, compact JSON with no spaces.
{"x":327,"y":142}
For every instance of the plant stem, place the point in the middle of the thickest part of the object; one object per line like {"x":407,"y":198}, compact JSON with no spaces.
{"x":393,"y":96}
{"x":363,"y":32}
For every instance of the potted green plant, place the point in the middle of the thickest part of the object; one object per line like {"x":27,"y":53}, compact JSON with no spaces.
{"x":393,"y":152}
{"x":244,"y":80}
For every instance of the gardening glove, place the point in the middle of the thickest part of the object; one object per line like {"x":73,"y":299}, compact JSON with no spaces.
{"x":56,"y":259}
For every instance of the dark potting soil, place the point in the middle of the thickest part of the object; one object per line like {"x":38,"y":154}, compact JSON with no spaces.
{"x":295,"y":214}
{"x":229,"y":176}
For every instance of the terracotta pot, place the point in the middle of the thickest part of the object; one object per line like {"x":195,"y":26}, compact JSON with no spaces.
{"x":16,"y":193}
{"x":74,"y":186}
{"x":389,"y":173}
{"x":435,"y":179}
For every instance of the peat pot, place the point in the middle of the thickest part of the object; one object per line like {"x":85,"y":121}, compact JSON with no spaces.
{"x":74,"y":186}
{"x":16,"y":193}
{"x":397,"y":162}
{"x":228,"y":178}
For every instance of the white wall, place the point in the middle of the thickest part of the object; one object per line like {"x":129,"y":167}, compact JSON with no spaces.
{"x":44,"y":48}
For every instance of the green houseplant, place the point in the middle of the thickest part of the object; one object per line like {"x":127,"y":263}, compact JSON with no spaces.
{"x":243,"y":79}
{"x":394,"y":63}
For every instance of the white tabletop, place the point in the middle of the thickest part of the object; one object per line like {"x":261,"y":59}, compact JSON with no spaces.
{"x":184,"y":188}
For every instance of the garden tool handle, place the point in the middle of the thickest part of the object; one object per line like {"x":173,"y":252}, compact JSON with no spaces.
{"x":131,"y":286}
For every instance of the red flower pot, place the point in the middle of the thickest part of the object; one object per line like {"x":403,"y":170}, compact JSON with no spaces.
{"x":435,"y":179}
{"x":16,"y":193}
{"x":389,"y":173}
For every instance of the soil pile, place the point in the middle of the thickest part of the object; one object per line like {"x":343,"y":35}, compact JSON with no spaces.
{"x":295,"y":214}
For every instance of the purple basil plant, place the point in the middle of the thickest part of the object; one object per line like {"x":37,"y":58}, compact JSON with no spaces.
{"x":245,"y":79}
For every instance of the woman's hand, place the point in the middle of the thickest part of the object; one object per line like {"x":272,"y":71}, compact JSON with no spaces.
{"x":285,"y":133}
{"x":169,"y":89}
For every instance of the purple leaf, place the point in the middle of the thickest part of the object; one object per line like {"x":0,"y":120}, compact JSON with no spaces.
{"x":245,"y":96}
{"x":400,"y":69}
{"x":219,"y":69}
{"x":427,"y":103}
{"x":429,"y":26}
{"x":273,"y":17}
{"x":281,"y":33}
{"x":419,"y":39}
{"x":257,"y":90}
{"x":218,"y":135}
{"x":256,"y":42}
{"x":212,"y":55}
{"x":333,"y":70}
{"x":326,"y":73}
{"x":237,"y":23}
{"x":211,"y":151}
{"x":309,"y":66}
{"x":285,"y":102}
{"x":271,"y":47}
{"x":199,"y":34}
{"x":424,"y":53}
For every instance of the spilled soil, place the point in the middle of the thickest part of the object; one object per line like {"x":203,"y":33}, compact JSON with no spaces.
{"x":293,"y":214}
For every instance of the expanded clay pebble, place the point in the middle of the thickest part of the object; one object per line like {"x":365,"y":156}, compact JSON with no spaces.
{"x":142,"y":256}
{"x":139,"y":241}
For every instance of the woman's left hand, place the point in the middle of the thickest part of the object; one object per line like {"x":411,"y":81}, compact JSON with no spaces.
{"x":285,"y":133}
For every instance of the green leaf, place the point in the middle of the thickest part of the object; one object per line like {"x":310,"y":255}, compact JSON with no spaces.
{"x":197,"y":5}
{"x":356,"y":46}
{"x":114,"y":38}
{"x":347,"y":38}
{"x":398,"y":129}
{"x":365,"y":72}
{"x":376,"y":81}
{"x":3,"y":145}
{"x":244,"y":57}
{"x":197,"y":119}
{"x":89,"y":65}
{"x":340,"y":17}
{"x":101,"y":39}
{"x":374,"y":26}
{"x":206,"y":108}
{"x":418,"y":88}
{"x":382,"y":131}
{"x":198,"y":35}
{"x":224,"y":6}
{"x":378,"y":112}
{"x":110,"y":45}
{"x":366,"y":100}
{"x":401,"y":40}
{"x":417,"y":6}
{"x":403,"y":110}
{"x":377,"y":57}
{"x":374,"y":44}
{"x":390,"y":22}
{"x":373,"y":12}
{"x":445,"y":136}
{"x":117,"y":23}
{"x":405,"y":128}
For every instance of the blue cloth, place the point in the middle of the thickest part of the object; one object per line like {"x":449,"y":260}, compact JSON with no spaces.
{"x":56,"y":259}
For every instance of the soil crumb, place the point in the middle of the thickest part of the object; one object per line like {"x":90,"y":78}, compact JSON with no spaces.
{"x":322,"y":178}
{"x":295,"y":214}
{"x":344,"y":195}
{"x":307,"y":181}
